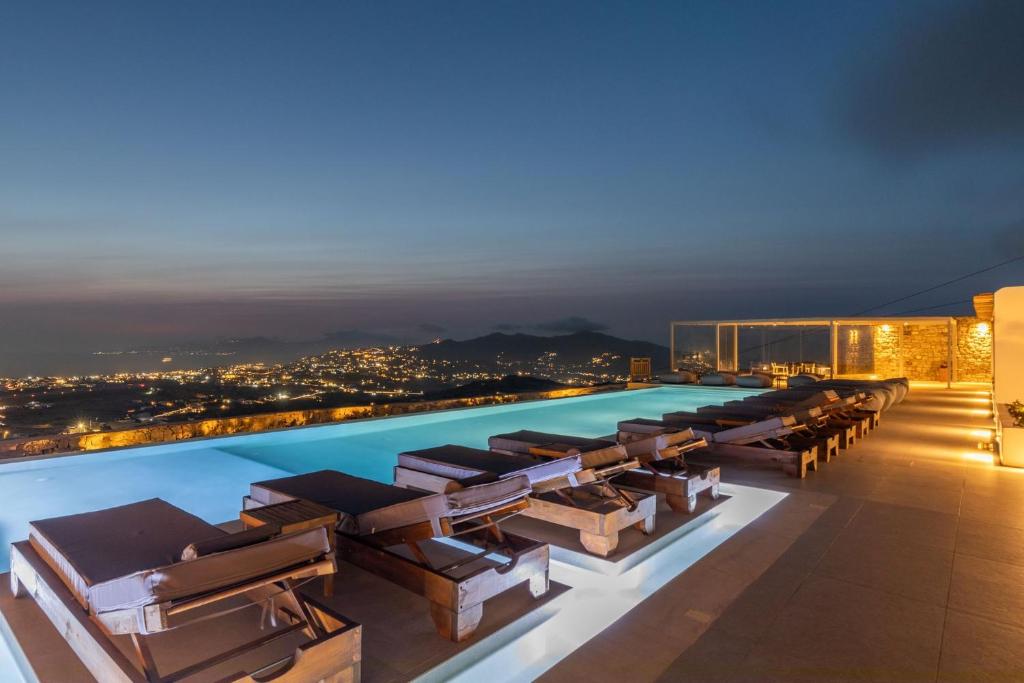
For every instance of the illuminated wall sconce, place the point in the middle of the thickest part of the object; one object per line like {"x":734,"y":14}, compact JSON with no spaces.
{"x":886,"y":328}
{"x":983,"y":329}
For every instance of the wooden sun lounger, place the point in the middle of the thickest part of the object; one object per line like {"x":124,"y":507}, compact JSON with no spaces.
{"x":664,"y":469}
{"x":597,"y":507}
{"x":375,"y":531}
{"x":808,"y":431}
{"x":839,"y":411}
{"x":68,"y":568}
{"x":752,"y":443}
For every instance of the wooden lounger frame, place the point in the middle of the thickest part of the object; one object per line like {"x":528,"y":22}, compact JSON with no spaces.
{"x":583,"y":507}
{"x":456,"y":602}
{"x":669,"y":474}
{"x":794,"y":462}
{"x":333,"y":653}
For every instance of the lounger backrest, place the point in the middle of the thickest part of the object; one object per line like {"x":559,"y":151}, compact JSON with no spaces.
{"x":603,"y":457}
{"x":209,"y":573}
{"x":758,"y":431}
{"x":432,"y":508}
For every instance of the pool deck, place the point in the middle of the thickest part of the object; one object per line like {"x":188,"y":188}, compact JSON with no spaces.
{"x":902,"y":559}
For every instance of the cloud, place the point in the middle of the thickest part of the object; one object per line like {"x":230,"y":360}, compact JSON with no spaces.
{"x":951,"y":79}
{"x":431,"y":328}
{"x":571,"y":324}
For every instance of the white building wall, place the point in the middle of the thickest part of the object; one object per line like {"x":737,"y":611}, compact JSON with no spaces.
{"x":1008,"y":347}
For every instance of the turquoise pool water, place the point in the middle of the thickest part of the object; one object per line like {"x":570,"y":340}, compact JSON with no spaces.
{"x":209,"y":477}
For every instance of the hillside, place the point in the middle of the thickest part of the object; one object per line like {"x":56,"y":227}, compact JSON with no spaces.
{"x":577,"y":348}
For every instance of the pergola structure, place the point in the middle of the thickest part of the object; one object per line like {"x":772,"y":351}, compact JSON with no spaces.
{"x":923,"y":347}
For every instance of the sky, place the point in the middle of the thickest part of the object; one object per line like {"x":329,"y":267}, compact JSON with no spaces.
{"x":190,"y":171}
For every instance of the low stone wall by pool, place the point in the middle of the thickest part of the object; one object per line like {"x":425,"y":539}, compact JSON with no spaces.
{"x":161,"y":433}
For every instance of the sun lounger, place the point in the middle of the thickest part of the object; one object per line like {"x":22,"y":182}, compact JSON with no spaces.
{"x":811,"y":428}
{"x":387,"y":530}
{"x":149,"y":567}
{"x":664,"y":468}
{"x":598,"y":508}
{"x":849,"y":405}
{"x":761,"y":441}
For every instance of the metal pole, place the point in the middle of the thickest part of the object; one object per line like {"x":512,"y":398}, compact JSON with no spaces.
{"x":672,"y":346}
{"x":833,"y":342}
{"x":718,"y":346}
{"x":950,"y":358}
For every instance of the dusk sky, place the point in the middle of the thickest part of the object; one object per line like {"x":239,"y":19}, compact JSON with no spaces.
{"x":193,"y":170}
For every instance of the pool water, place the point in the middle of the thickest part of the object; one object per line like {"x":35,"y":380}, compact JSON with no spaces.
{"x":209,"y":477}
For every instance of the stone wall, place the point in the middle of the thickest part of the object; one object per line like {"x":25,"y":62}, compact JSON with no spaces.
{"x":885,"y":348}
{"x":973,"y":350}
{"x":925,"y":352}
{"x":163,"y":433}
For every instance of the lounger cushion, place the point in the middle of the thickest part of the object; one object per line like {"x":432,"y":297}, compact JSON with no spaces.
{"x":127,"y":556}
{"x":369,"y":507}
{"x":718,"y":379}
{"x":650,"y":445}
{"x":239,"y":539}
{"x":92,"y":547}
{"x":471,"y":464}
{"x":593,"y":452}
{"x":643,"y":425}
{"x":753,"y":381}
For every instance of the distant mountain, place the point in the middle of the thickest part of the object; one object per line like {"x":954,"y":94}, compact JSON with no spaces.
{"x":579,"y":347}
{"x":510,"y":384}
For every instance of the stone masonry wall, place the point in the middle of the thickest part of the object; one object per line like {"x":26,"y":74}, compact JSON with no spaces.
{"x":162,"y":433}
{"x":925,"y":352}
{"x":973,"y":350}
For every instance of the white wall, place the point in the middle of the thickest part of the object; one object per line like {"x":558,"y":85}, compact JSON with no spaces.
{"x":1008,"y":346}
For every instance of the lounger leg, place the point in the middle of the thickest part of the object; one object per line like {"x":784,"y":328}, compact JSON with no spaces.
{"x":714,"y":492}
{"x":18,"y":589}
{"x":678,"y":503}
{"x":456,"y":626}
{"x":145,"y":657}
{"x":646,"y":525}
{"x":602,"y":546}
{"x":539,"y":584}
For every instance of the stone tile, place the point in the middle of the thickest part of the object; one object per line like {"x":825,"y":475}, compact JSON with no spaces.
{"x":994,"y":509}
{"x":769,"y":665}
{"x":749,"y":553}
{"x":794,"y":515}
{"x":685,"y":607}
{"x":752,"y":614}
{"x":716,"y":658}
{"x":990,"y":541}
{"x":989,"y":589}
{"x":899,"y":523}
{"x":976,"y":649}
{"x":842,"y":627}
{"x":906,"y":569}
{"x":922,"y":496}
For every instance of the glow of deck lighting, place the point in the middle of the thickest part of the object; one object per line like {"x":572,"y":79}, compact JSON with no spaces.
{"x":984,"y":435}
{"x":601,"y":592}
{"x":978,"y":457}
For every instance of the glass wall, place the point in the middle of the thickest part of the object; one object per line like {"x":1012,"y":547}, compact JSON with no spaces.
{"x":693,"y":347}
{"x":932,"y":349}
{"x":792,"y":348}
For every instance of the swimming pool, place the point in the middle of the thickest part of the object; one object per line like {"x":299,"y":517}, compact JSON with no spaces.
{"x":209,"y":477}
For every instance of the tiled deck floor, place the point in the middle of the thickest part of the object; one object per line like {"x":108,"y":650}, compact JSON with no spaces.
{"x":902,"y":560}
